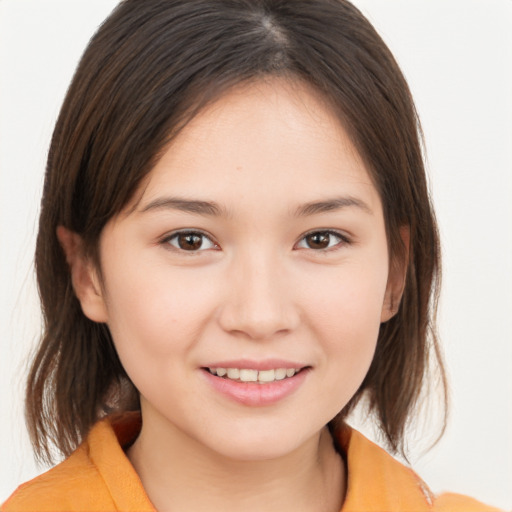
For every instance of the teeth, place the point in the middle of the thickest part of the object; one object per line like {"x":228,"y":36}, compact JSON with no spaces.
{"x":266,"y":375}
{"x":248,"y":375}
{"x":233,"y":373}
{"x":280,"y":374}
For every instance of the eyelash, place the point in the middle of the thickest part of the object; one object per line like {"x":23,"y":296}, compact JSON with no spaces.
{"x":344,"y":240}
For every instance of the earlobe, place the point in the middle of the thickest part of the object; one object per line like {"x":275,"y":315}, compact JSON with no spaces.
{"x":397,"y":278}
{"x":84,"y":276}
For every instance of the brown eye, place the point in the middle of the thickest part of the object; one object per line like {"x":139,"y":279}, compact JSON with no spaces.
{"x":318,"y":240}
{"x":321,"y":240}
{"x":190,"y":241}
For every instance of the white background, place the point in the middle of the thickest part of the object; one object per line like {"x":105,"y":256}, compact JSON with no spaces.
{"x":457,"y":56}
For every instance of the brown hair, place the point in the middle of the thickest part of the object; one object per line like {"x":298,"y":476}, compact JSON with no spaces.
{"x":149,"y":68}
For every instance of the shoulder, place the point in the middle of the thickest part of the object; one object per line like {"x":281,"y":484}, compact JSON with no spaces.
{"x":74,"y":484}
{"x":96,"y":476}
{"x":451,"y":502}
{"x":377,"y":481}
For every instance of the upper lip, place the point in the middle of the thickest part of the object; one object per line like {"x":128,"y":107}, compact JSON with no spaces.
{"x":265,"y":364}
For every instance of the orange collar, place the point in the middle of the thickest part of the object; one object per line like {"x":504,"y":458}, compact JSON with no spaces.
{"x":376,"y":481}
{"x":99,"y":476}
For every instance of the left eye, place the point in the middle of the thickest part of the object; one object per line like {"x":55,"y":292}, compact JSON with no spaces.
{"x":322,"y":240}
{"x":191,"y":241}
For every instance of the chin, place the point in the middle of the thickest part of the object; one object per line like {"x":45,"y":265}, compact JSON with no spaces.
{"x":253,"y":452}
{"x":257,"y":445}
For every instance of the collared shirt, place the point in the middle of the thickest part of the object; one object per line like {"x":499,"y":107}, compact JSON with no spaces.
{"x":98,"y":476}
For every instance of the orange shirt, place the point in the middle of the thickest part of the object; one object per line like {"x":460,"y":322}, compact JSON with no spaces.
{"x":99,"y":477}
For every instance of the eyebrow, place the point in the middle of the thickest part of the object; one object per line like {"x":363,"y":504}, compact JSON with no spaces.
{"x":206,"y":208}
{"x":333,"y":204}
{"x":213,"y":209}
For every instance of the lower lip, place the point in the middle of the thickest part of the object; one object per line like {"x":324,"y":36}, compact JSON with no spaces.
{"x":253,"y":393}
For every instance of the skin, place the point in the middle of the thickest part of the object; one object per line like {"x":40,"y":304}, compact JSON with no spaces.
{"x":255,"y":289}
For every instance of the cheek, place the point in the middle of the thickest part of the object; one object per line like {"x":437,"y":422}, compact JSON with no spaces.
{"x":348,"y":327}
{"x":156,"y":321}
{"x":344,"y":312}
{"x":350,"y":297}
{"x":153,"y":311}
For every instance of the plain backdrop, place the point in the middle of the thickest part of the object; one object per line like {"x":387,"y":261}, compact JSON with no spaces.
{"x":457,"y":57}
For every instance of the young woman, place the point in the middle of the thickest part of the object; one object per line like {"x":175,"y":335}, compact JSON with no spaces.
{"x":236,"y":247}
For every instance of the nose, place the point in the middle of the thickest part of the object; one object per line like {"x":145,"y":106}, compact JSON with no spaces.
{"x":259,"y":302}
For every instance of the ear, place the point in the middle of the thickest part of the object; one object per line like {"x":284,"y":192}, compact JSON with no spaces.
{"x":84,"y":276}
{"x":396,"y":279}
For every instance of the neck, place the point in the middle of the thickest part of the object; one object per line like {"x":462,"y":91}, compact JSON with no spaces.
{"x":180,"y":474}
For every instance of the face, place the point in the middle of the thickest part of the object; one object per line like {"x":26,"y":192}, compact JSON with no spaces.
{"x":256,"y":248}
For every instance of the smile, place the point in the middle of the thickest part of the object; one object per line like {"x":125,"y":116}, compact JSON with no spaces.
{"x":256,"y":387}
{"x":251,"y":375}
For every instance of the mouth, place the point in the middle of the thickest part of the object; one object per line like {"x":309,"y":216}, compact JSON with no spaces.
{"x":253,"y":375}
{"x":267,"y":384}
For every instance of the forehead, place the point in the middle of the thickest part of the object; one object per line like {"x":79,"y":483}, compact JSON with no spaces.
{"x":271,"y":141}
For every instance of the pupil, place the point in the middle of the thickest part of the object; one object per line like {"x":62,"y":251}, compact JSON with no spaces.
{"x":189,"y":241}
{"x":319,"y":240}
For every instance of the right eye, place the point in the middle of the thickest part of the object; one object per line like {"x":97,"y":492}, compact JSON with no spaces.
{"x":323,"y":240}
{"x":189,"y":241}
